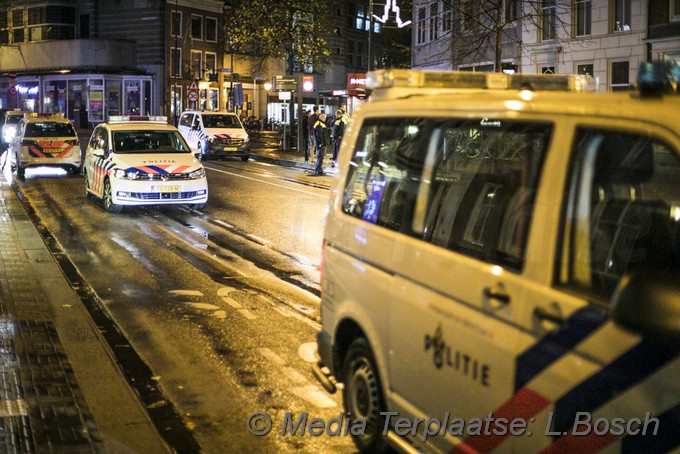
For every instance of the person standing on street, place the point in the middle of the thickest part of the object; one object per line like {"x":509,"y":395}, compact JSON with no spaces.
{"x":338,"y":132}
{"x":311,"y":121}
{"x":305,"y":135}
{"x":322,"y":137}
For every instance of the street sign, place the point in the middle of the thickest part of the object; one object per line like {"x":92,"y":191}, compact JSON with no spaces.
{"x":226,"y":70}
{"x":193,"y":86}
{"x":192,"y":96}
{"x":281,"y":83}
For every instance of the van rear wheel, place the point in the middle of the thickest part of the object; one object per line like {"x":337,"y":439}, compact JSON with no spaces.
{"x":363,"y":396}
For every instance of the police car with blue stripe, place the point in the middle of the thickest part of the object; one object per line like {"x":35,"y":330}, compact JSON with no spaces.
{"x":501,"y":265}
{"x":139,"y":160}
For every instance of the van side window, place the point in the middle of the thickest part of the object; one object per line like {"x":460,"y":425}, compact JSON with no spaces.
{"x":186,"y":120}
{"x":478,"y":178}
{"x":622,"y":211}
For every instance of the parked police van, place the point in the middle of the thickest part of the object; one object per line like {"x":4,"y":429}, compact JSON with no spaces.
{"x":214,"y":135}
{"x":501,"y":265}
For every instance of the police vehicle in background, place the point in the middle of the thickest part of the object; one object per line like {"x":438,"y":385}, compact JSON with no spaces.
{"x":215,"y":135}
{"x":43,"y":139}
{"x":505,"y":250}
{"x":137,"y":160}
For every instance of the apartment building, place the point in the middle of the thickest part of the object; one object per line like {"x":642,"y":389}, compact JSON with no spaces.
{"x":607,"y":39}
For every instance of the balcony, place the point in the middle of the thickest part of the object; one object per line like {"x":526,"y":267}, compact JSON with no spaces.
{"x":74,"y":54}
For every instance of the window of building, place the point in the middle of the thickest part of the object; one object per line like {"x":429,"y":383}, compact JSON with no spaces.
{"x":211,"y":65}
{"x":585,"y":69}
{"x":548,"y":20}
{"x":583,"y":19}
{"x":176,"y":62}
{"x":434,"y":21}
{"x":511,"y":10}
{"x":351,"y":14}
{"x":84,"y":26}
{"x":211,"y":29}
{"x":422,"y":26}
{"x":176,"y":25}
{"x":620,"y":76}
{"x":18,"y":26}
{"x":447,"y":20}
{"x":196,"y":64}
{"x":51,"y":22}
{"x":675,"y":8}
{"x":4,"y":28}
{"x":621,"y":15}
{"x":467,"y":20}
{"x":196,"y":26}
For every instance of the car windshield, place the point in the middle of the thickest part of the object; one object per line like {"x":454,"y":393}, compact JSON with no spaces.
{"x":221,"y":121}
{"x":49,"y":129}
{"x":144,"y":141}
{"x":13,"y":119}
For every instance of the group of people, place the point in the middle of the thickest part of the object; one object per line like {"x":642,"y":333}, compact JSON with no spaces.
{"x":320,"y":133}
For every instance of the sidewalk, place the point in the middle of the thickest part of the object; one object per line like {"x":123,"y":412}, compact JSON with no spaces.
{"x":61,"y":390}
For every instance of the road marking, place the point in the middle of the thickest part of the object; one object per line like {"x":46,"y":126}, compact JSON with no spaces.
{"x":308,"y":352}
{"x":225,"y":291}
{"x":323,"y":196}
{"x":220,"y":314}
{"x":295,"y":376}
{"x":204,"y":306}
{"x":186,"y":292}
{"x":314,"y":395}
{"x":247,"y":314}
{"x":224,"y":224}
{"x":258,"y":239}
{"x":232,"y":303}
{"x":271,"y":356}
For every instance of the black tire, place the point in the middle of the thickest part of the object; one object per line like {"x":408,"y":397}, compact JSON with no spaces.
{"x":75,"y":170}
{"x":245,"y":158}
{"x":363,"y":396}
{"x":198,"y":206}
{"x":107,"y":199}
{"x":86,"y":186}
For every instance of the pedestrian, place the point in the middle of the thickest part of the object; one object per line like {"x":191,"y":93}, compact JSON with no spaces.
{"x":305,"y":135}
{"x":338,"y":132}
{"x":322,"y":137}
{"x":311,"y":122}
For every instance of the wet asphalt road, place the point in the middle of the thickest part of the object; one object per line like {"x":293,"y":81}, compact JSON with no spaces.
{"x":221,"y":304}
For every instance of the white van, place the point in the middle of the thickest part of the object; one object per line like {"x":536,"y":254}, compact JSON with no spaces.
{"x":214,"y":135}
{"x":501,"y":266}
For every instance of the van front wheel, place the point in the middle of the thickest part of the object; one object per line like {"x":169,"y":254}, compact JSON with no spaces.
{"x":363,"y":396}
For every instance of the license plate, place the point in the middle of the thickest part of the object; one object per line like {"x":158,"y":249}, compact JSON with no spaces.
{"x":165,"y":188}
{"x":230,"y":148}
{"x":51,"y":150}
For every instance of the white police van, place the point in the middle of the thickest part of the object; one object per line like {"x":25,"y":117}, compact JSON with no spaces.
{"x":139,"y":160}
{"x":214,"y":135}
{"x":501,"y":265}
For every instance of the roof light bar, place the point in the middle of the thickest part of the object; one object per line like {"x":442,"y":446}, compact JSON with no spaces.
{"x":413,"y":78}
{"x":141,"y":118}
{"x":44,"y":115}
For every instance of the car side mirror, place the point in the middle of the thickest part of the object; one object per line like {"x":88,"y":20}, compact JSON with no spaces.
{"x":648,"y":303}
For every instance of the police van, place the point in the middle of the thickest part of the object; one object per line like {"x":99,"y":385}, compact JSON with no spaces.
{"x":139,"y":160}
{"x":44,"y":139}
{"x":501,"y":265}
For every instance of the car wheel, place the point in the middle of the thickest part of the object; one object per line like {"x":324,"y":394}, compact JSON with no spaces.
{"x":86,"y":186}
{"x":21,"y":171}
{"x":108,"y":199}
{"x":245,"y":158}
{"x":75,"y":170}
{"x":363,"y":396}
{"x":198,"y":206}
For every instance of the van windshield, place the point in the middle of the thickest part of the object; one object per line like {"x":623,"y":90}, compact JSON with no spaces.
{"x":145,"y":141}
{"x":49,"y":129}
{"x":221,"y":121}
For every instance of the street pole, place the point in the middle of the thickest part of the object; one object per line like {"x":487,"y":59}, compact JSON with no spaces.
{"x":173,"y":90}
{"x":370,"y":31}
{"x":231,"y":78}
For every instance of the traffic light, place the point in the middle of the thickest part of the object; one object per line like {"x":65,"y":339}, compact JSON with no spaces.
{"x":307,"y":84}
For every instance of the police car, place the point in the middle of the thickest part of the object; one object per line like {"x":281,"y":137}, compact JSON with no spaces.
{"x":215,"y":135}
{"x":44,"y":140}
{"x":501,"y":265}
{"x":142,"y":161}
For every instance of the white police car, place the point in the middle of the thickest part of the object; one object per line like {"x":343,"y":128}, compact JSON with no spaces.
{"x":142,"y":161}
{"x":214,"y":135}
{"x":44,"y":139}
{"x":501,"y":265}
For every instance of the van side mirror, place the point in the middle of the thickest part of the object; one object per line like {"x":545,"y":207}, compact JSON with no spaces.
{"x":648,"y":303}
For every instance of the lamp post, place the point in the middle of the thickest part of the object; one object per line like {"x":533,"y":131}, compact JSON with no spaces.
{"x":267,"y":87}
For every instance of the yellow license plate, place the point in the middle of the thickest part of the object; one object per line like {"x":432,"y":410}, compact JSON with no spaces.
{"x":52,"y":150}
{"x":230,"y":148}
{"x":165,"y":188}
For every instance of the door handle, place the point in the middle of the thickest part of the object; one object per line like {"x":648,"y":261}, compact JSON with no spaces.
{"x":544,"y":314}
{"x":496,"y":293}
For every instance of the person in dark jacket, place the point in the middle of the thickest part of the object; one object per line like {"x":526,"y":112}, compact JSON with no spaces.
{"x":338,"y":132}
{"x":305,"y":134}
{"x":322,"y":136}
{"x":311,"y":121}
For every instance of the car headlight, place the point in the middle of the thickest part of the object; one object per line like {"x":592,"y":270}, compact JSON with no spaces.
{"x":246,"y":139}
{"x":8,"y":133}
{"x":125,"y":175}
{"x":197,"y":174}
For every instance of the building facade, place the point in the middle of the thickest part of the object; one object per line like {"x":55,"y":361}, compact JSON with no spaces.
{"x":91,"y":59}
{"x":607,"y":39}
